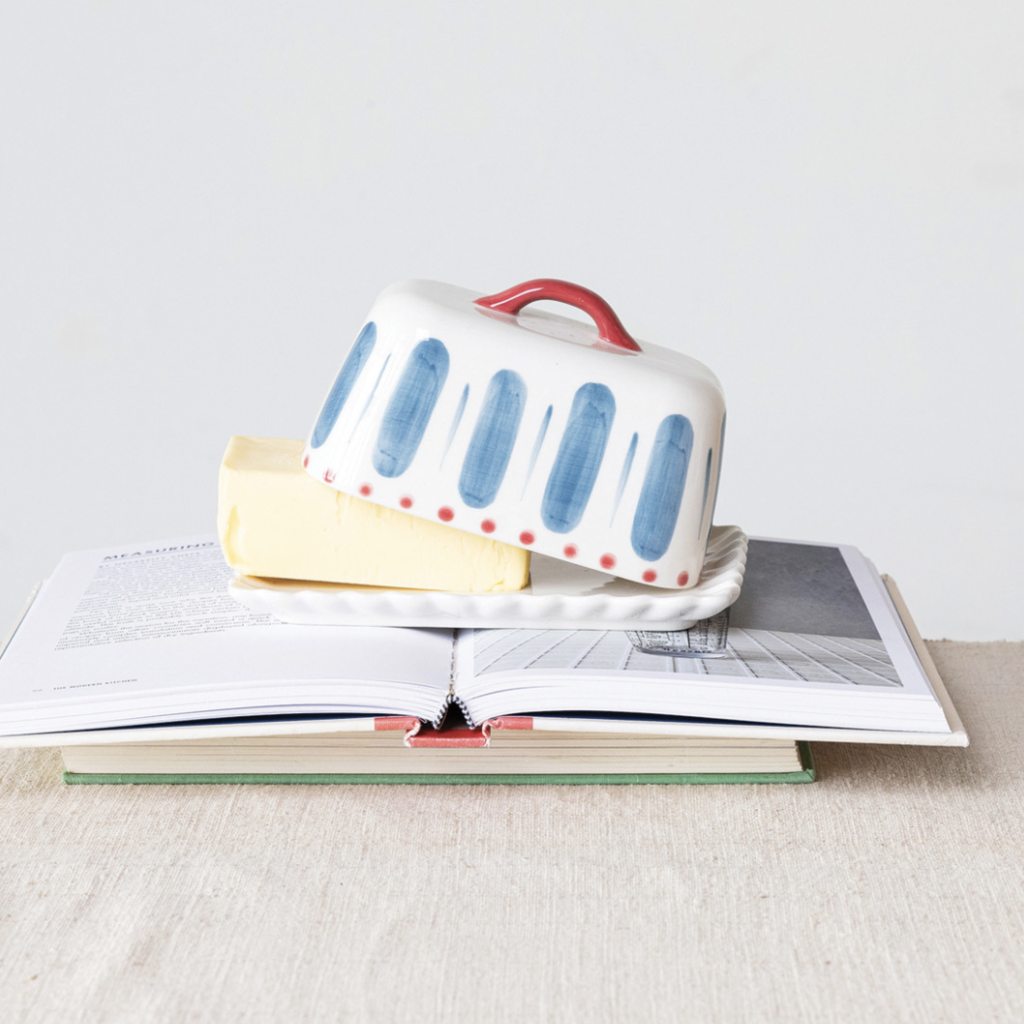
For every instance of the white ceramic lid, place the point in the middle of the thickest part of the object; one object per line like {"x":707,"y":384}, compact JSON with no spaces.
{"x":527,"y":427}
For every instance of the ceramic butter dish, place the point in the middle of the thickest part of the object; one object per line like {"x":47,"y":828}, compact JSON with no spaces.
{"x":528,"y":427}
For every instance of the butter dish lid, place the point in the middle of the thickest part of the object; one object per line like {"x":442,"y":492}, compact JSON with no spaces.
{"x":572,"y":440}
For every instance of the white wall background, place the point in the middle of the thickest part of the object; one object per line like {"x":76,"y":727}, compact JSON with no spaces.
{"x":824,"y":202}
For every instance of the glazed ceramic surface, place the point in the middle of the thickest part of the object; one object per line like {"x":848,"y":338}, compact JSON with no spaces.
{"x":561,"y":595}
{"x":534,"y":429}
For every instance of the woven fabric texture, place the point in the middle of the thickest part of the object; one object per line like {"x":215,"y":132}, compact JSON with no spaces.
{"x":890,"y":890}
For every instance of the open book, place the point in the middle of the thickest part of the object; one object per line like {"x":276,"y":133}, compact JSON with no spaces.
{"x":146,"y":634}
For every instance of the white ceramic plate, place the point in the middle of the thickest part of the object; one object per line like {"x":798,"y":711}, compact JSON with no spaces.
{"x":560,"y":596}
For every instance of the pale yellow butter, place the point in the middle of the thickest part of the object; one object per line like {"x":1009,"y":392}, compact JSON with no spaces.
{"x":275,"y":520}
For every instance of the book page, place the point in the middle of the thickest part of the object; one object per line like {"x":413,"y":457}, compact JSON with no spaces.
{"x":134,"y":625}
{"x":811,"y":619}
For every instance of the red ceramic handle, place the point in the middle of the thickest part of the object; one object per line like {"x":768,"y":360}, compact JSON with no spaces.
{"x":609,"y":326}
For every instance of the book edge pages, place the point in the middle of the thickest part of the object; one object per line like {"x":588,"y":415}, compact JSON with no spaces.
{"x":193,"y":731}
{"x":958,"y":735}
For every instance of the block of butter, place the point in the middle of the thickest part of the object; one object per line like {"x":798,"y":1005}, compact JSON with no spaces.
{"x":275,"y":520}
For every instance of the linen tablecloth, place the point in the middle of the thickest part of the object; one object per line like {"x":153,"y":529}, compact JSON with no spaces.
{"x":891,"y":889}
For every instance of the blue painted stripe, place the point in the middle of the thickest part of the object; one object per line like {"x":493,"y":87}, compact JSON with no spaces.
{"x":410,"y":408}
{"x":579,"y":458}
{"x":704,"y":500}
{"x":662,"y":494}
{"x":624,"y":476}
{"x":537,"y":445}
{"x":453,"y":429}
{"x":494,"y":437}
{"x":347,"y":376}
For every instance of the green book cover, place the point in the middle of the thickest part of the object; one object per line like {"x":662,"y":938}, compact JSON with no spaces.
{"x":806,"y":774}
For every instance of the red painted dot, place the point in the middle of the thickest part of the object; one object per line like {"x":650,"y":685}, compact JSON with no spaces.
{"x":488,"y":526}
{"x":405,"y":501}
{"x":683,"y":578}
{"x":366,"y":490}
{"x":526,"y":538}
{"x":329,"y":476}
{"x":445,"y":514}
{"x":650,"y":575}
{"x":570,"y":551}
{"x":607,"y":561}
{"x":305,"y":461}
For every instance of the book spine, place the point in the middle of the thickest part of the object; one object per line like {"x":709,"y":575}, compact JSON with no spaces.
{"x":428,"y":736}
{"x":421,"y":734}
